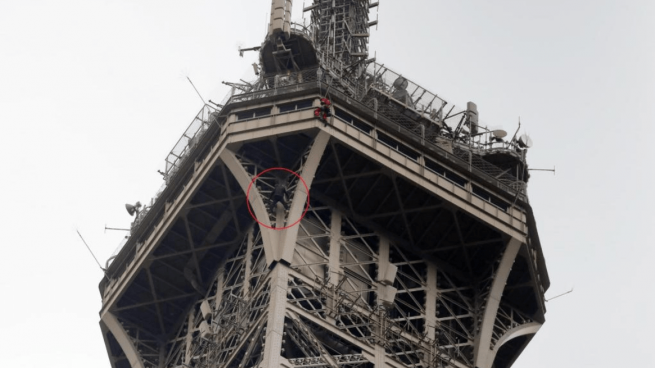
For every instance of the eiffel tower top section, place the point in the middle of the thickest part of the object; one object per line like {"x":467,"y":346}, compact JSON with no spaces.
{"x":333,"y":51}
{"x":337,"y":37}
{"x":330,"y":213}
{"x":341,"y":29}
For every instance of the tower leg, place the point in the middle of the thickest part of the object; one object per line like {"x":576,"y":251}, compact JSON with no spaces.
{"x":484,"y":356}
{"x":275,"y":320}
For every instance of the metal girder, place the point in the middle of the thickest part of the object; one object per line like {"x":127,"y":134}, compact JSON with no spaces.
{"x":461,"y":243}
{"x":276,"y":311}
{"x":306,"y":334}
{"x":469,"y":244}
{"x":156,"y":301}
{"x":341,"y":178}
{"x":402,"y":211}
{"x":300,"y":196}
{"x":256,"y":202}
{"x":416,"y":176}
{"x":402,"y":344}
{"x":484,"y":354}
{"x":182,"y":296}
{"x":522,"y":330}
{"x":362,"y":220}
{"x":198,"y":249}
{"x":351,"y":176}
{"x":230,"y":194}
{"x":131,"y":352}
{"x":193,"y":262}
{"x":405,"y":211}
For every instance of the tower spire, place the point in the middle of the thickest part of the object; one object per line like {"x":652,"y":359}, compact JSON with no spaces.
{"x":280,"y":25}
{"x":341,"y":30}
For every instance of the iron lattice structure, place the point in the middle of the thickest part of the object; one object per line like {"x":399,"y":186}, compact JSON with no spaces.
{"x":409,"y":241}
{"x":341,"y":29}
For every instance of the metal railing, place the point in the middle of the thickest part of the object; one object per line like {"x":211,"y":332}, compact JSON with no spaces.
{"x":175,"y":159}
{"x":189,"y":139}
{"x":469,"y":152}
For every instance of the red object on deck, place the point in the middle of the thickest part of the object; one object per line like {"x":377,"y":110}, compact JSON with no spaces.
{"x":324,"y":111}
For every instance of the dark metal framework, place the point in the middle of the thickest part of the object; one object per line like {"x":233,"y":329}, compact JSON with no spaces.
{"x":412,"y":248}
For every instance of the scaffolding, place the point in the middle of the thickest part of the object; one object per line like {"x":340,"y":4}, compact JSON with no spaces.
{"x":341,"y":31}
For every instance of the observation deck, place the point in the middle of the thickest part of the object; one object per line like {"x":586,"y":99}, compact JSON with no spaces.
{"x":439,"y":192}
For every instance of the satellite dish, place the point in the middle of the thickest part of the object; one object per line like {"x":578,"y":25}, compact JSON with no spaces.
{"x":499,"y":133}
{"x":525,"y":141}
{"x":132,"y":209}
{"x":400,"y":83}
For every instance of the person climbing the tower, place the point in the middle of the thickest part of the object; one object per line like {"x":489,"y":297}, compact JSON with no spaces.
{"x":279,"y":194}
{"x":323,"y":112}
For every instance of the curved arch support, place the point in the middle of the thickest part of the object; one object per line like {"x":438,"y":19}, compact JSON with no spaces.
{"x":131,"y":352}
{"x":483,"y":353}
{"x":256,"y":203}
{"x":289,"y":236}
{"x":526,"y":329}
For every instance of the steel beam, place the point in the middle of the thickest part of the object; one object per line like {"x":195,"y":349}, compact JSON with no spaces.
{"x":522,"y":330}
{"x":116,"y":328}
{"x":484,"y":355}
{"x":256,"y":203}
{"x":289,"y":236}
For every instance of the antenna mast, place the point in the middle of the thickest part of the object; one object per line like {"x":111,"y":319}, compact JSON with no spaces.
{"x":341,"y":31}
{"x":90,"y":251}
{"x":194,"y":87}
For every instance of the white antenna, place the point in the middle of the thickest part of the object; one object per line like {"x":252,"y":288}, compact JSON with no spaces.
{"x":553,"y":169}
{"x":93,"y":255}
{"x":557,"y":296}
{"x":113,"y":228}
{"x":194,"y":87}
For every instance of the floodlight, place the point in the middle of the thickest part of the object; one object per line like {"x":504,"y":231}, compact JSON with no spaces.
{"x":133,"y":208}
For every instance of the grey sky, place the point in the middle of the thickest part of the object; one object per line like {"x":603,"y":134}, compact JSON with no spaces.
{"x":93,"y":95}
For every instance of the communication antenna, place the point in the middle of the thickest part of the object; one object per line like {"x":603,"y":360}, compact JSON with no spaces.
{"x":517,"y":131}
{"x":241,"y":51}
{"x":93,"y":255}
{"x":553,"y":169}
{"x":525,"y":141}
{"x":562,"y":294}
{"x":194,"y":87}
{"x":498,"y":135}
{"x":114,"y":228}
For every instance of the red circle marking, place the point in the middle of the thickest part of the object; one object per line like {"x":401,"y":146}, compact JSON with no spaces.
{"x":248,"y":198}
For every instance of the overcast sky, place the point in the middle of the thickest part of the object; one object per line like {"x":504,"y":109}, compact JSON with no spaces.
{"x":93,"y":95}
